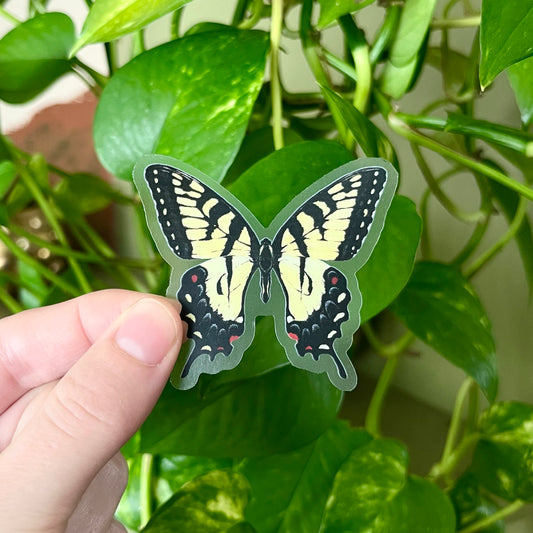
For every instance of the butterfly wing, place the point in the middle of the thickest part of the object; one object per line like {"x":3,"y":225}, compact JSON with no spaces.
{"x":198,"y":223}
{"x":330,"y":226}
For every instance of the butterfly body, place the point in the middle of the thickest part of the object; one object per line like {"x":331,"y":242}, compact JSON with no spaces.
{"x":300,"y":268}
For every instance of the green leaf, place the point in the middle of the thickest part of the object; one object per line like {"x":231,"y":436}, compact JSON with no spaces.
{"x":291,"y":490}
{"x":129,"y":508}
{"x":471,"y":505}
{"x":508,"y":200}
{"x":521,"y":79}
{"x":272,"y":182}
{"x":279,"y":411}
{"x":520,"y":141}
{"x":35,"y":289}
{"x":454,"y":66}
{"x":395,"y":81}
{"x":8,"y":173}
{"x":332,"y":10}
{"x":33,"y":55}
{"x":503,"y":458}
{"x":151,"y":104}
{"x":387,"y":271}
{"x":506,"y":36}
{"x":370,"y":138}
{"x":257,"y":145}
{"x":212,"y":503}
{"x":85,"y":194}
{"x":110,"y":19}
{"x":413,"y":27}
{"x":441,"y":308}
{"x":345,"y":481}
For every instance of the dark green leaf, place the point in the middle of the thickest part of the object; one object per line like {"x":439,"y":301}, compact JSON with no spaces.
{"x":111,"y":19}
{"x":204,"y":27}
{"x":256,"y":146}
{"x":387,"y":271}
{"x":151,"y":105}
{"x":272,"y":182}
{"x":503,"y":459}
{"x":33,"y":55}
{"x":521,"y":78}
{"x":86,"y":193}
{"x":488,"y":131}
{"x":344,"y":481}
{"x":414,"y":24}
{"x":282,"y":410}
{"x":8,"y":173}
{"x":290,"y":491}
{"x":508,"y":200}
{"x":506,"y":36}
{"x":440,"y":307}
{"x":4,"y":217}
{"x":34,"y":289}
{"x":369,"y":137}
{"x":212,"y":503}
{"x":313,"y":128}
{"x":471,"y":505}
{"x":331,"y":11}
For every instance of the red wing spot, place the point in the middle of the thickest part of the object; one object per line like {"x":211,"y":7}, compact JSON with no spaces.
{"x":233,"y":338}
{"x":220,"y":349}
{"x":334,"y":280}
{"x":308,"y":349}
{"x":194,"y":278}
{"x":293,"y":336}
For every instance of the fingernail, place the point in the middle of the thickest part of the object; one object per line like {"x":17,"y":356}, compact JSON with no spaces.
{"x":148,"y":331}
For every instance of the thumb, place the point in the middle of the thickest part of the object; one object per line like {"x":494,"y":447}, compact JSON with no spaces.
{"x":92,"y":411}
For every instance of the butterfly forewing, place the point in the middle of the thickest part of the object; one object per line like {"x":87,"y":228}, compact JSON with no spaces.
{"x":196,"y":221}
{"x":334,"y":222}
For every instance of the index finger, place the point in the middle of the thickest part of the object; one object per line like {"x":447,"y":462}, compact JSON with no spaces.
{"x":40,"y":345}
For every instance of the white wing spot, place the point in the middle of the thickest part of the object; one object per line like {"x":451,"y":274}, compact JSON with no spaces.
{"x":375,"y":182}
{"x":338,"y":316}
{"x":177,"y":183}
{"x":239,"y":320}
{"x":165,"y":211}
{"x":154,"y":171}
{"x":191,"y":317}
{"x":357,"y":237}
{"x":156,"y":180}
{"x":323,"y":347}
{"x":290,"y":319}
{"x":161,"y":201}
{"x":362,"y":224}
{"x":206,"y":348}
{"x":372,"y":191}
{"x":196,"y":333}
{"x":355,"y":178}
{"x":365,"y":212}
{"x":332,"y":334}
{"x":168,"y":223}
{"x":158,"y":189}
{"x":172,"y":236}
{"x":342,"y":297}
{"x":376,"y":173}
{"x":188,"y":297}
{"x":196,"y":186}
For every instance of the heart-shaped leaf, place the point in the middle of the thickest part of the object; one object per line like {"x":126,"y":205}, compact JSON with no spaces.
{"x":183,"y":99}
{"x":33,"y":55}
{"x":441,"y":308}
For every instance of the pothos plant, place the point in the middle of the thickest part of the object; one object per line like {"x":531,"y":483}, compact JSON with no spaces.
{"x":261,"y":448}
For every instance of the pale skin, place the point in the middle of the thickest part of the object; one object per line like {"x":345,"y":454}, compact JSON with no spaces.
{"x":77,"y":379}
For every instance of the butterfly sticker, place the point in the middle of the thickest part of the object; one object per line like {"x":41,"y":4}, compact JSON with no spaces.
{"x":227,"y":268}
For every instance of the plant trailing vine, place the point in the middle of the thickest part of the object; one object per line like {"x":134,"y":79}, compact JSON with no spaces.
{"x":261,"y":448}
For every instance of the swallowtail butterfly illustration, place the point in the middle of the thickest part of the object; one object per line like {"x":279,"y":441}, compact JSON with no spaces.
{"x":228,"y":268}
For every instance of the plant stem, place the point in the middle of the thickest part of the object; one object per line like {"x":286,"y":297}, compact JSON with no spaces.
{"x":275,"y":85}
{"x":403,"y":129}
{"x":98,"y":78}
{"x":46,"y":208}
{"x":485,"y":257}
{"x":359,"y":49}
{"x":138,"y":46}
{"x":466,"y":22}
{"x":146,"y":477}
{"x":8,"y":16}
{"x":386,"y":33}
{"x":493,"y":518}
{"x":373,"y":415}
{"x":8,"y":300}
{"x":339,"y":64}
{"x":387,"y":350}
{"x":445,"y":468}
{"x":440,"y":195}
{"x":455,"y":423}
{"x":38,"y":266}
{"x":257,"y":11}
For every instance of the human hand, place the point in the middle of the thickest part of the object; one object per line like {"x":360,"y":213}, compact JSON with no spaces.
{"x":76,"y":381}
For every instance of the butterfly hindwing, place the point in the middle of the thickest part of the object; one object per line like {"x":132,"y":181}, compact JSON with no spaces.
{"x":317,"y":298}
